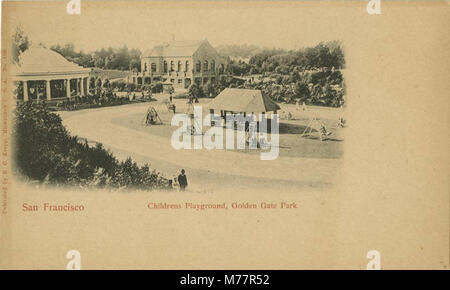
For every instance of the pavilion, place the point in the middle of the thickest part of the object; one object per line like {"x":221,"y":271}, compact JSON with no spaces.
{"x":245,"y":101}
{"x":42,"y":73}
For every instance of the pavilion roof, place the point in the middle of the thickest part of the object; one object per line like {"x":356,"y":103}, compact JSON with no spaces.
{"x":40,"y":60}
{"x":243,"y":100}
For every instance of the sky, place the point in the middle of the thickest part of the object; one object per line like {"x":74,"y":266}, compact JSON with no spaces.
{"x":143,"y":24}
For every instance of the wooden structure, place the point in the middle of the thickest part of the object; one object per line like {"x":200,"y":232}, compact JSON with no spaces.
{"x":152,"y":117}
{"x":243,"y":101}
{"x":316,"y":126}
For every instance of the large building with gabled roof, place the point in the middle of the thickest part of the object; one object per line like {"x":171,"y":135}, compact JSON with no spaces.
{"x":181,"y":63}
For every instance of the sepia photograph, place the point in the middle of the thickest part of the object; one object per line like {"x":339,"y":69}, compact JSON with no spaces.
{"x":215,"y":135}
{"x":114,"y":111}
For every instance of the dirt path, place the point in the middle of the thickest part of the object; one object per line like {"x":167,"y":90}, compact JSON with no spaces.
{"x":206,"y":169}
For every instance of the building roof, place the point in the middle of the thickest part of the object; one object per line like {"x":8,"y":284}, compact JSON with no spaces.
{"x":243,"y":100}
{"x":40,"y":60}
{"x":175,"y":48}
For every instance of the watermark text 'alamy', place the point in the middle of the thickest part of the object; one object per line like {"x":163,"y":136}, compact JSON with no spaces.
{"x":251,"y":132}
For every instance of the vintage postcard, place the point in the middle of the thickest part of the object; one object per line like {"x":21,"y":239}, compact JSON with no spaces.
{"x":225,"y":135}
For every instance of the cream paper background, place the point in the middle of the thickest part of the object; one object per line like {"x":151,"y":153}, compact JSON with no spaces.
{"x":392,"y":193}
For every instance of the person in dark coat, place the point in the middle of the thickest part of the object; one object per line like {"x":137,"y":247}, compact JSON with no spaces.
{"x":182,"y":180}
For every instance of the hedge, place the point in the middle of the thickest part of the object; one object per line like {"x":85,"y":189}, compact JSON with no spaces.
{"x":45,"y":152}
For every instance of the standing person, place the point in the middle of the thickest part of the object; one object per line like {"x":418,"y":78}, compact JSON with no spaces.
{"x":182,"y":180}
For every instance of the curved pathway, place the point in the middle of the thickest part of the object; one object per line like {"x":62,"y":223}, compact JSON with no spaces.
{"x":97,"y":125}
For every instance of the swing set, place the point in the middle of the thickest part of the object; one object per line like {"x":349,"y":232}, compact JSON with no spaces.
{"x":315,"y":125}
{"x":192,"y":129}
{"x":151,"y":117}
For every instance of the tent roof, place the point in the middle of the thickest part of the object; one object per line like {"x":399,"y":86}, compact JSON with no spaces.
{"x":243,"y":100}
{"x":40,"y":60}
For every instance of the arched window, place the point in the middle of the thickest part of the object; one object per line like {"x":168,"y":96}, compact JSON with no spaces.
{"x":213,"y":65}
{"x":172,"y":65}
{"x":179,"y":66}
{"x":198,"y":66}
{"x":222,"y":68}
{"x":165,"y":66}
{"x":205,"y":66}
{"x":153,"y":67}
{"x":145,"y":66}
{"x":186,"y":69}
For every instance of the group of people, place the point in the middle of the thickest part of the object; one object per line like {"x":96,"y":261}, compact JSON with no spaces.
{"x":133,"y":96}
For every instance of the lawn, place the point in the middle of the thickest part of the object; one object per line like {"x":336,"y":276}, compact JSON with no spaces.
{"x":291,"y":144}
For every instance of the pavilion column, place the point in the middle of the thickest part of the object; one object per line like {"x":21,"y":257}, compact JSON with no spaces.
{"x":25,"y":91}
{"x":68,"y":88}
{"x":77,"y":90}
{"x":87,"y":85}
{"x":263,"y":116}
{"x":48,"y":90}
{"x":82,"y":87}
{"x":211,"y":112}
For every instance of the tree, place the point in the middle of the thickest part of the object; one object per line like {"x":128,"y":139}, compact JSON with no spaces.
{"x":238,"y":68}
{"x":337,"y":58}
{"x":196,"y":91}
{"x":302,"y":90}
{"x":135,"y":60}
{"x":85,"y":60}
{"x":20,"y":43}
{"x":210,"y":90}
{"x":110,"y":58}
{"x":223,"y":83}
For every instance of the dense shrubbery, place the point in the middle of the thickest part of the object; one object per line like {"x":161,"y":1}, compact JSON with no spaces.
{"x":110,"y":58}
{"x":121,"y":86}
{"x":208,"y":90}
{"x":311,"y":75}
{"x":324,"y":88}
{"x":47,"y":153}
{"x":92,"y":101}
